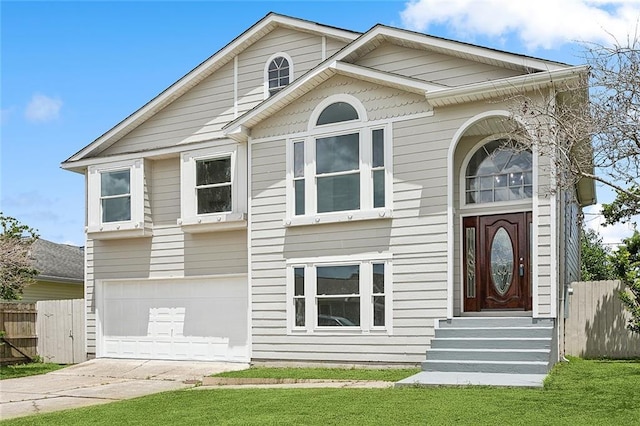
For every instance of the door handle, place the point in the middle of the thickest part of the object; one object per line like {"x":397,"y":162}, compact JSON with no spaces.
{"x":521,"y":268}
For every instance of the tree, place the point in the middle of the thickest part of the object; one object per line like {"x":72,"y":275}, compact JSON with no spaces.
{"x":626,"y":264}
{"x":595,"y":257}
{"x":16,"y":271}
{"x":591,"y":122}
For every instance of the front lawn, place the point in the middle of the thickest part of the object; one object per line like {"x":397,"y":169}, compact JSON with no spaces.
{"x":576,"y":393}
{"x":23,"y":370}
{"x":385,"y":375}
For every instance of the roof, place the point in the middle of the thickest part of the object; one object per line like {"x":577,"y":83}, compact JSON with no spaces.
{"x":58,"y":262}
{"x":544,"y":72}
{"x":204,"y":70}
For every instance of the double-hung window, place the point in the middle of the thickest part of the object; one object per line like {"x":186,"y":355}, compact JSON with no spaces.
{"x":341,"y":170}
{"x":328,"y":295}
{"x":213,"y":189}
{"x":115,"y":203}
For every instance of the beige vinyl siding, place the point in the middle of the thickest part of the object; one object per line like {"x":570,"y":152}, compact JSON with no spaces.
{"x":333,"y":46}
{"x":416,"y":236}
{"x":48,"y":290}
{"x":380,"y":103}
{"x":165,"y":192}
{"x":305,"y":50}
{"x":431,"y":66}
{"x":197,"y":115}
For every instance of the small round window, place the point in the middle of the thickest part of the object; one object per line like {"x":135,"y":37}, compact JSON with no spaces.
{"x":499,"y":171}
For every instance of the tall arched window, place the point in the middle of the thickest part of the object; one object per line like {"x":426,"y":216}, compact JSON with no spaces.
{"x":278,"y":74}
{"x":499,"y":171}
{"x":342,"y":165}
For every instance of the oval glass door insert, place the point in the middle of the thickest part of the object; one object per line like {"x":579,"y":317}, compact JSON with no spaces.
{"x":501,"y":261}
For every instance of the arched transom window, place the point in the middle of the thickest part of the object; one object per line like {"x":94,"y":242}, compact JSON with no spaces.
{"x":337,"y":112}
{"x":499,"y":171}
{"x":278,"y":74}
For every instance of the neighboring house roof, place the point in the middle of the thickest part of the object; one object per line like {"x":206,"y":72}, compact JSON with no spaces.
{"x":58,"y":262}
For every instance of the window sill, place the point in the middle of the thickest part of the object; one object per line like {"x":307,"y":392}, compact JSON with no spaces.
{"x":118,"y":230}
{"x":214,"y":222}
{"x":340,"y":331}
{"x":338,"y":217}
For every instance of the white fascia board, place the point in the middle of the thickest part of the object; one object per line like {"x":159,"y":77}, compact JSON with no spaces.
{"x":205,"y":69}
{"x":316,"y":77}
{"x":454,"y":48}
{"x":505,"y":86}
{"x":385,"y":78}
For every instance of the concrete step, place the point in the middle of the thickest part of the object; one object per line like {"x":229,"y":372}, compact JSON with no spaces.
{"x":498,"y":367}
{"x":489,"y":343}
{"x":493,"y":332}
{"x":485,"y":322}
{"x":432,"y":378}
{"x":523,"y":355}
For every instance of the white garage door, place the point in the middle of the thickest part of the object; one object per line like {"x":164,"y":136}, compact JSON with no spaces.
{"x":183,"y":319}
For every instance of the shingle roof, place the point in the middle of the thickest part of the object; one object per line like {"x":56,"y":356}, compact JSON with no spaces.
{"x":58,"y":262}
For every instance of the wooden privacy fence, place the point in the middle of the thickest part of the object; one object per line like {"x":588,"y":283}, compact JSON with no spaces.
{"x":18,"y":324}
{"x":52,"y":329}
{"x":596,"y":323}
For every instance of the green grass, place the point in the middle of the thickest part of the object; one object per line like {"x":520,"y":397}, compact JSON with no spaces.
{"x":388,"y":375}
{"x":23,"y":370}
{"x":576,"y":393}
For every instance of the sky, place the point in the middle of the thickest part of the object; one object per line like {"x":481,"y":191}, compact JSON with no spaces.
{"x":70,"y":71}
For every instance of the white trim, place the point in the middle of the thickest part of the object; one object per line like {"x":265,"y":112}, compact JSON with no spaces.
{"x":135,"y":226}
{"x":340,"y":97}
{"x":249,"y":251}
{"x":235,"y":87}
{"x":454,"y":48}
{"x":190,"y":220}
{"x":365,"y":262}
{"x":534,"y":243}
{"x":265,"y":73}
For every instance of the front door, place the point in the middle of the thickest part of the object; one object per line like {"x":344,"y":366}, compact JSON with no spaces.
{"x":497,"y":262}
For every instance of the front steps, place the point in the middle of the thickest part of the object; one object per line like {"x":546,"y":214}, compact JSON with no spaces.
{"x":499,"y":351}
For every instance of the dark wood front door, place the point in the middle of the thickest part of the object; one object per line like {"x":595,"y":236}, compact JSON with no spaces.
{"x":497,"y":262}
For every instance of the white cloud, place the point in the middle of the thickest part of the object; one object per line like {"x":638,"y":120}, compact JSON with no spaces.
{"x":538,"y":24}
{"x":42,"y":108}
{"x":612,"y":235}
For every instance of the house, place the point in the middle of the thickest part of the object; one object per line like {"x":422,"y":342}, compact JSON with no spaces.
{"x":310,"y":193}
{"x":61,"y":272}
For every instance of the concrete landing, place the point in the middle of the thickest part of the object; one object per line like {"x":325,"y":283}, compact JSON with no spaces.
{"x":434,"y":378}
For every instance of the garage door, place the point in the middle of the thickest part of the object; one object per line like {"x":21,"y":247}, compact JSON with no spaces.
{"x":184,"y":319}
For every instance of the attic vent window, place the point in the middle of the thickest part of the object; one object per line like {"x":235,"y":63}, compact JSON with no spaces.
{"x":337,"y":113}
{"x":278,"y":74}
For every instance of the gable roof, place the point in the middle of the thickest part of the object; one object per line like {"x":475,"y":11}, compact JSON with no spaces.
{"x":267,"y":24}
{"x":58,"y":262}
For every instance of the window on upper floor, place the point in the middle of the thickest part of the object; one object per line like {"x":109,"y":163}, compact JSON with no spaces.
{"x":115,"y":202}
{"x":213,"y":189}
{"x":341,"y":171}
{"x":278,"y":73}
{"x":498,"y":171}
{"x":350,"y":295}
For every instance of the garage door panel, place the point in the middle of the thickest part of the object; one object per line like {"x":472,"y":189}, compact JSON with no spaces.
{"x":176,"y":319}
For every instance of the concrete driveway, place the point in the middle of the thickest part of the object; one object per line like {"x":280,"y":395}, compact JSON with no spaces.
{"x":100,"y":381}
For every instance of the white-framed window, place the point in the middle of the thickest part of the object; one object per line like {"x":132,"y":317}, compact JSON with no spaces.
{"x":278,"y":73}
{"x":341,"y":170}
{"x":213,"y":189}
{"x":115,"y":199}
{"x":497,"y":171}
{"x":351,"y":294}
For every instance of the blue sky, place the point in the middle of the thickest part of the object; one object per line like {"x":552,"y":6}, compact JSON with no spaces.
{"x":72,"y":70}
